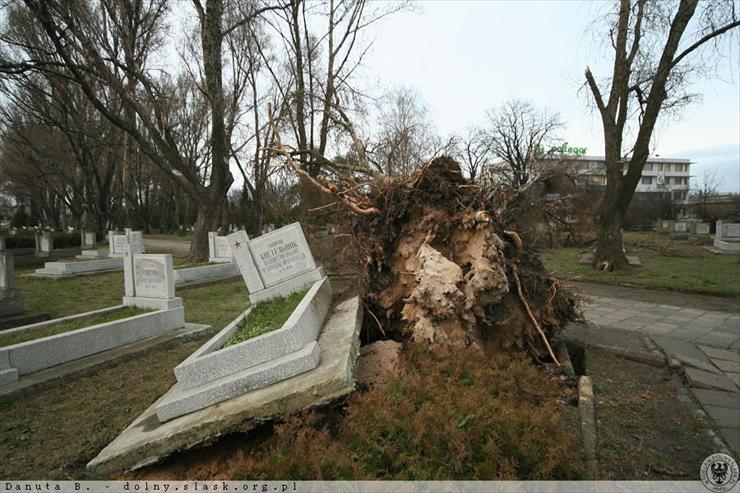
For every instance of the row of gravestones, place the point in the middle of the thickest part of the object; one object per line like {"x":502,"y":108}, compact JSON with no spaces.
{"x":683,"y":228}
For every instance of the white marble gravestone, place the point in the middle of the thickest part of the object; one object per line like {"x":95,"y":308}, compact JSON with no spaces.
{"x":10,"y":299}
{"x":88,"y":239}
{"x":702,"y":228}
{"x":149,"y":280}
{"x":275,"y":264}
{"x":44,"y":244}
{"x":679,"y":227}
{"x":218,"y":248}
{"x":727,"y":238}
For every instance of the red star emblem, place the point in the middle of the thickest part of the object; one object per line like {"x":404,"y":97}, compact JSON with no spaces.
{"x":237,"y":244}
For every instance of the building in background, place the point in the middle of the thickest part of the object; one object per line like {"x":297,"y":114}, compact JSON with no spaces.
{"x":666,"y":177}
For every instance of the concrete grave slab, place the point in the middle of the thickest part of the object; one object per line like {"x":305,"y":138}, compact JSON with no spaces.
{"x":57,"y":270}
{"x":146,"y":441}
{"x":205,"y":273}
{"x":686,"y":353}
{"x":214,"y":373}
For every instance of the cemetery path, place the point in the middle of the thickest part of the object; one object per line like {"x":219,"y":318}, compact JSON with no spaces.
{"x":698,"y":334}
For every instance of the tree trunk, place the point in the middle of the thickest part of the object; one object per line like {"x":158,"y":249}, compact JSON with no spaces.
{"x":206,"y":220}
{"x":609,"y":254}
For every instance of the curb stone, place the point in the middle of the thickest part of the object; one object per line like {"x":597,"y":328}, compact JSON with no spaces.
{"x":587,"y":415}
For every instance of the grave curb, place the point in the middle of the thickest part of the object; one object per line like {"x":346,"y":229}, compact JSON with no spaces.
{"x":302,"y":327}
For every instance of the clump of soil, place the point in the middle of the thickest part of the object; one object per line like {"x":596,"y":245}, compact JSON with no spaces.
{"x":440,"y":268}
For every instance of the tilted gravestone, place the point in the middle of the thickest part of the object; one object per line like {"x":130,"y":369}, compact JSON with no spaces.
{"x":275,"y":264}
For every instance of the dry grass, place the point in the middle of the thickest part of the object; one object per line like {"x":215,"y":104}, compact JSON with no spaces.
{"x":459,"y":416}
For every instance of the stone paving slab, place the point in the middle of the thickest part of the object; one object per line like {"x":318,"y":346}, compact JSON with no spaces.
{"x":686,"y":353}
{"x":706,"y":380}
{"x":721,"y":354}
{"x":725,"y":417}
{"x":732,"y":437}
{"x":717,"y":398}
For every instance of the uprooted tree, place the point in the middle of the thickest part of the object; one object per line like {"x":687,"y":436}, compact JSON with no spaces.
{"x":439,"y":267}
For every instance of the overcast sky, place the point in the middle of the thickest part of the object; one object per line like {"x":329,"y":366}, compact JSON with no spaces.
{"x":466,"y":57}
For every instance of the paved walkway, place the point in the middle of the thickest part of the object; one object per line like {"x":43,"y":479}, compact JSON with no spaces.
{"x":705,"y":343}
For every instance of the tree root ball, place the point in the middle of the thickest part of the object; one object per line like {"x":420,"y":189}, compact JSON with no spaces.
{"x":439,"y":268}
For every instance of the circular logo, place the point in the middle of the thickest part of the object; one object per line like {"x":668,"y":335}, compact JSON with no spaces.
{"x":719,"y":472}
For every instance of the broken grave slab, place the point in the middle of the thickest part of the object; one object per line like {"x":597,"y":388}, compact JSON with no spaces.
{"x":146,"y":441}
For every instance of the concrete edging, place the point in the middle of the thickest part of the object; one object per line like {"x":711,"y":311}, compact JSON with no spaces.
{"x":39,"y":354}
{"x":71,"y":269}
{"x":587,"y":420}
{"x":302,"y":327}
{"x":204,"y":273}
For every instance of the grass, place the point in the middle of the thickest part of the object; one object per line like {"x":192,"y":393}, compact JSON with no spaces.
{"x":666,"y":264}
{"x":450,"y":416}
{"x":54,"y":433}
{"x":70,"y":325}
{"x":266,"y":317}
{"x":645,"y":432}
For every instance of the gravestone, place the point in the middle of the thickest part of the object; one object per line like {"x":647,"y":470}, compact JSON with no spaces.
{"x":149,"y":280}
{"x":88,"y":238}
{"x":218,"y":248}
{"x":2,"y":243}
{"x":275,"y":264}
{"x":727,"y":238}
{"x":10,"y":299}
{"x":680,"y":230}
{"x":702,"y":228}
{"x":44,"y":244}
{"x":117,"y":242}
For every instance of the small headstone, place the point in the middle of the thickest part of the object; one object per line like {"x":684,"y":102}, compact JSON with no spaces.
{"x":119,"y":244}
{"x":2,"y":243}
{"x":731,"y":230}
{"x":149,"y":280}
{"x":89,"y":239}
{"x":702,"y":228}
{"x":679,"y":226}
{"x":13,"y":231}
{"x":44,"y":244}
{"x":150,"y":277}
{"x":7,"y":271}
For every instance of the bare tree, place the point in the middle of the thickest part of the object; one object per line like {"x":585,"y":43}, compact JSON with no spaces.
{"x":650,"y":75}
{"x":518,"y":132}
{"x":406,"y":136}
{"x":473,"y":151}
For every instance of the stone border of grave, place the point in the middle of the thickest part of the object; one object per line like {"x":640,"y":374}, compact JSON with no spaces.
{"x":31,"y":356}
{"x":145,"y":441}
{"x":192,"y":276}
{"x":213,"y":373}
{"x":58,"y":270}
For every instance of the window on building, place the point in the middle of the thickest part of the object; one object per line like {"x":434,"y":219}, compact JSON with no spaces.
{"x":647,"y":180}
{"x":659,"y":167}
{"x":648,"y":167}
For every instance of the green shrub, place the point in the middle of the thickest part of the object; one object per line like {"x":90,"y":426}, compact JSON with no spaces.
{"x":456,"y":416}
